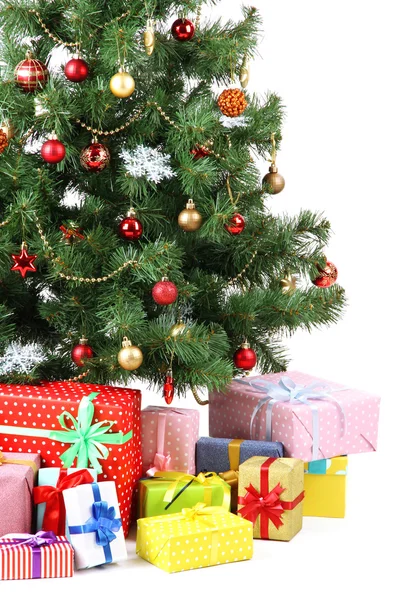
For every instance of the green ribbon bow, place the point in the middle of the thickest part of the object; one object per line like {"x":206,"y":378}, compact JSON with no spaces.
{"x":87,"y":440}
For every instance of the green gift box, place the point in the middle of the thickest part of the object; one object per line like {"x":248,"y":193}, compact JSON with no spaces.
{"x":169,"y":492}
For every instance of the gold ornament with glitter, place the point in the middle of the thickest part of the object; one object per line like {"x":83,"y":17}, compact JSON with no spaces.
{"x":288,"y":284}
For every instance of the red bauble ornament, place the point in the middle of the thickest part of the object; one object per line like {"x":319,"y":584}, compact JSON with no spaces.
{"x":164,"y":292}
{"x":76,"y":69}
{"x":328,"y":275}
{"x":130,"y":228}
{"x":95,"y":157}
{"x":53,"y":151}
{"x":183,"y":30}
{"x":200,"y":152}
{"x":236,"y":224}
{"x":81,"y":352}
{"x":245,"y":357}
{"x":23,"y":262}
{"x":30,"y":74}
{"x":169,"y":388}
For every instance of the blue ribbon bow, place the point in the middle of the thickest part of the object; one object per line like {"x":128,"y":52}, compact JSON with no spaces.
{"x":102,"y":522}
{"x":288,"y":391}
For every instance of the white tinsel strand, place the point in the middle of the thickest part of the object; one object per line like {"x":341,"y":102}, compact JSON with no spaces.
{"x":231,"y":122}
{"x":147,"y":162}
{"x":19,"y":358}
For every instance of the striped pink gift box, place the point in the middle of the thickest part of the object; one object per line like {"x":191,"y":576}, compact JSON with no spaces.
{"x":22,"y":558}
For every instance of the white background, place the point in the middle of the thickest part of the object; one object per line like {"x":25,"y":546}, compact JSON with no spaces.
{"x":336,"y":65}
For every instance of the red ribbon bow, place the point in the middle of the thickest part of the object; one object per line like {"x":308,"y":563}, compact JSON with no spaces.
{"x":54,"y":514}
{"x":270,"y":506}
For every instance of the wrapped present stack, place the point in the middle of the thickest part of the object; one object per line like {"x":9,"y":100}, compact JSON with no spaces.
{"x":278,"y":450}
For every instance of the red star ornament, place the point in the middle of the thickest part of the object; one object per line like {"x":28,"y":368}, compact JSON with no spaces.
{"x":23,"y":262}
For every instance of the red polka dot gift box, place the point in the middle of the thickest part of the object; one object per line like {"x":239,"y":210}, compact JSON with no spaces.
{"x":80,"y":425}
{"x":313,"y":418}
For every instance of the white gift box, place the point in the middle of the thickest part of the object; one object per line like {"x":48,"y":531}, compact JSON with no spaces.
{"x":93,"y":518}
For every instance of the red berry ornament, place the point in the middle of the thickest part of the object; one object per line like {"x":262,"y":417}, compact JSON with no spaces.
{"x":183,"y":30}
{"x":164,"y":292}
{"x":245,"y":358}
{"x":169,"y":387}
{"x":81,"y":352}
{"x":327,"y":277}
{"x":76,"y":69}
{"x":236,"y":224}
{"x":95,"y":157}
{"x":130,"y":228}
{"x":30,"y":74}
{"x":53,"y":151}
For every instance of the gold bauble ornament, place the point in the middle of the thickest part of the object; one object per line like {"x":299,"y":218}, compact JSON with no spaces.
{"x":288,"y":284}
{"x":190,"y":219}
{"x":149,"y":39}
{"x":122,"y":84}
{"x":129,"y":357}
{"x":177,"y":329}
{"x":244,"y":76}
{"x":273,"y":180}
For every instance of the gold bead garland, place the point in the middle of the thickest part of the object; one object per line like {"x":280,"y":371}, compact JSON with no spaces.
{"x":243,"y":271}
{"x":73,"y":44}
{"x":56,"y":260}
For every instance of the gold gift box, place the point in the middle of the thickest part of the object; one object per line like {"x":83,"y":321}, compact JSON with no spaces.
{"x":196,"y":537}
{"x":271,"y":491}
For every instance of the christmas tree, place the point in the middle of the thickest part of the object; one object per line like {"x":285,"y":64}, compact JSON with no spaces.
{"x":136,"y":234}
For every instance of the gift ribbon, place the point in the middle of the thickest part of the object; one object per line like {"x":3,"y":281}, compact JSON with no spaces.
{"x":86,"y":439}
{"x":36,"y":542}
{"x":266,"y":504}
{"x":288,"y":391}
{"x":207,"y":480}
{"x":54,"y":514}
{"x":161,"y":461}
{"x":102,"y":522}
{"x":232,"y":475}
{"x":17,"y":461}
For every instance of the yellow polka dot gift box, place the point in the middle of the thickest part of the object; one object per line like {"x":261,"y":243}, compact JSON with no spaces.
{"x":196,"y":537}
{"x":271,"y":493}
{"x":325,"y":487}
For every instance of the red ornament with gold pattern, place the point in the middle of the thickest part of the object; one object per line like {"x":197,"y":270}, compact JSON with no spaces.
{"x":130,"y":228}
{"x":199,"y":152}
{"x":23,"y":262}
{"x":31,"y":74}
{"x":164,"y":292}
{"x":53,"y":151}
{"x":95,"y":157}
{"x":245,"y":358}
{"x":81,"y":352}
{"x":183,"y":30}
{"x":76,"y":69}
{"x":169,"y":387}
{"x":327,"y":277}
{"x":236,"y":224}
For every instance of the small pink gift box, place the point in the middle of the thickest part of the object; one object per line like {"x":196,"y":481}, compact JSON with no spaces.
{"x":313,"y":418}
{"x":169,"y":437}
{"x":17,"y":477}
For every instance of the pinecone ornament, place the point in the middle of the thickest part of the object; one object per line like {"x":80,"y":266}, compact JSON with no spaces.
{"x":232,"y":102}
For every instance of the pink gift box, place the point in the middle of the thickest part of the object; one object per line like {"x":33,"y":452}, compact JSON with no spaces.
{"x":346,"y":421}
{"x":169,"y":437}
{"x":16,"y":485}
